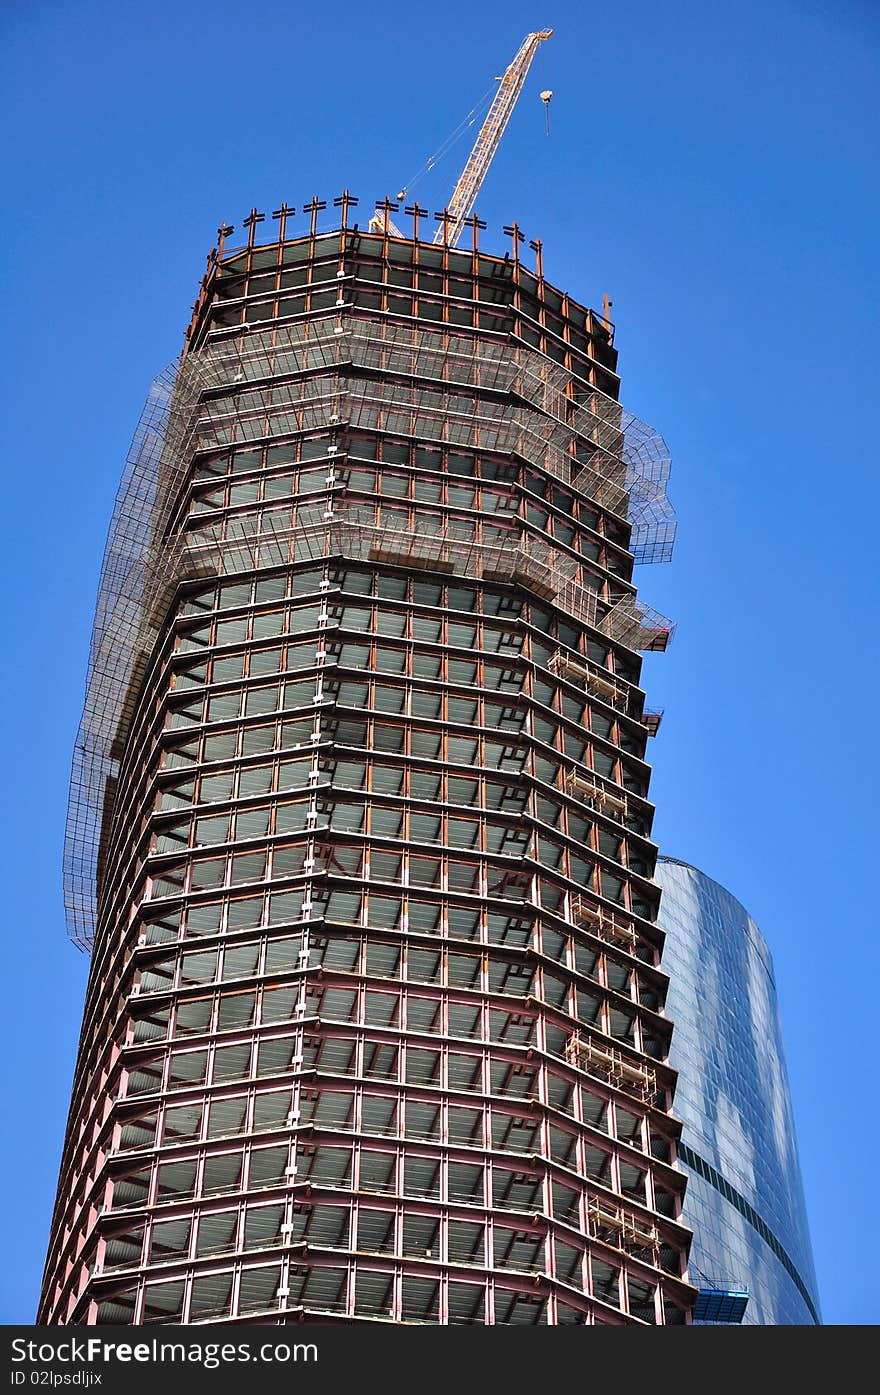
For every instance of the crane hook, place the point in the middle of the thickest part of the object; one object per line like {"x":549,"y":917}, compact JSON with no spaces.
{"x":545,"y":98}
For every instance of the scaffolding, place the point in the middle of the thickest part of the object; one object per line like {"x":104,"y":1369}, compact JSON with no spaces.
{"x":579,"y":434}
{"x":609,"y":1065}
{"x":615,"y":1226}
{"x":636,"y":626}
{"x":336,"y":373}
{"x":598,"y":682}
{"x":162,"y":443}
{"x":597,"y":794}
{"x":604,"y":924}
{"x":651,"y":719}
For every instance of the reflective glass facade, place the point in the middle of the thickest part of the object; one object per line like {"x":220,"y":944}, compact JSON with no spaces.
{"x":744,"y":1196}
{"x":360,"y":826}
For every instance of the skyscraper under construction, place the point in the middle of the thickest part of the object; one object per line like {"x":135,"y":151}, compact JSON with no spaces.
{"x":359,"y":820}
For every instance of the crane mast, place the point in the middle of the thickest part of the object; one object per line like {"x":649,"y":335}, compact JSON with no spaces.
{"x":464,"y":195}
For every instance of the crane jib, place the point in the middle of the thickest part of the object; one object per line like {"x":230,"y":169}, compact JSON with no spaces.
{"x":465,"y":192}
{"x":464,"y":195}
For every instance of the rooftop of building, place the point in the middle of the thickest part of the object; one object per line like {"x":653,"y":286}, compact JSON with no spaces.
{"x":746,"y":920}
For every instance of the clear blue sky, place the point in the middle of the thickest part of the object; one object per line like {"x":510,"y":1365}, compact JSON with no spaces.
{"x":713,"y":167}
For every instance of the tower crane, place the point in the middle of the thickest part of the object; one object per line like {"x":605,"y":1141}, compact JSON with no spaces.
{"x":464,"y":195}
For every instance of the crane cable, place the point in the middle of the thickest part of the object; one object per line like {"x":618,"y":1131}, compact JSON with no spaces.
{"x":450,"y":140}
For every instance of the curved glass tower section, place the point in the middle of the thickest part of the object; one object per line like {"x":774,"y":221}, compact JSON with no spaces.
{"x":359,"y":823}
{"x":744,"y":1197}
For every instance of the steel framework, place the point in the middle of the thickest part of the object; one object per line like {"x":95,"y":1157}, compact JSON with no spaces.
{"x":359,"y":820}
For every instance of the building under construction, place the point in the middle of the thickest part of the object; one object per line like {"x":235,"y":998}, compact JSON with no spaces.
{"x":359,"y":825}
